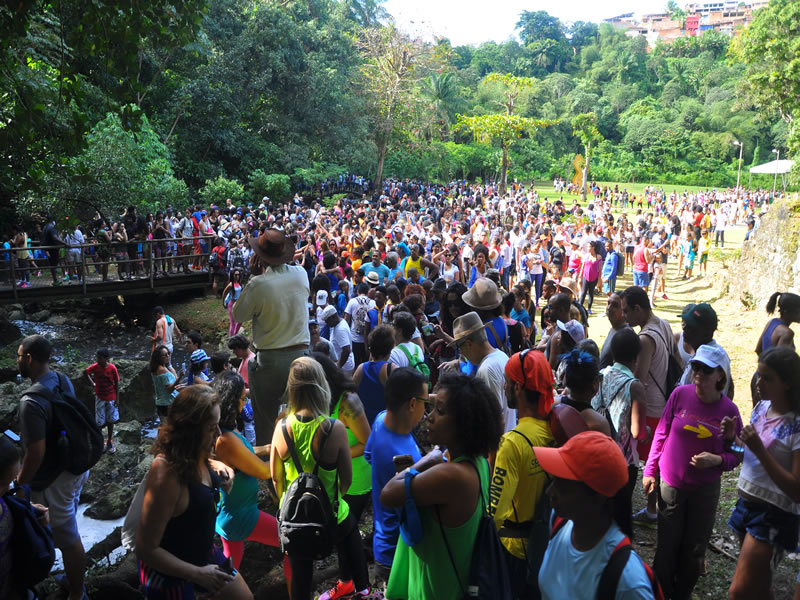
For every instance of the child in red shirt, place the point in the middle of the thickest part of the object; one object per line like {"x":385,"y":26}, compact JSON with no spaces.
{"x":105,"y":379}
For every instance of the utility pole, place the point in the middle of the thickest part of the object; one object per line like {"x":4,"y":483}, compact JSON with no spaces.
{"x":739,"y":173}
{"x":775,"y":182}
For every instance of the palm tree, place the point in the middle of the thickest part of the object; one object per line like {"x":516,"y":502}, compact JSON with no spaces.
{"x":441,"y":92}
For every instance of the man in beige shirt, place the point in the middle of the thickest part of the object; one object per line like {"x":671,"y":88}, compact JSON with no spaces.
{"x":275,"y":301}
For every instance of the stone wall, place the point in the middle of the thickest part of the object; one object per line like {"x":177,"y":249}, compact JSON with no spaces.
{"x":770,"y":261}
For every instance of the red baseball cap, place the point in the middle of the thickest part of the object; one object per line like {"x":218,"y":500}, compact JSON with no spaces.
{"x":591,"y":457}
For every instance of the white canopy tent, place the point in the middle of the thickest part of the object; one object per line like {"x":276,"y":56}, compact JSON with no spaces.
{"x":775,"y":167}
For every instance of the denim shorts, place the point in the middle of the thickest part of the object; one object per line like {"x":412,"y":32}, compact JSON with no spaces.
{"x":641,"y":278}
{"x":766,"y":523}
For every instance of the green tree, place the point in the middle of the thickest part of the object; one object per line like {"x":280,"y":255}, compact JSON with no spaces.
{"x":584,"y":126}
{"x":58,"y":60}
{"x":217,"y":191}
{"x":770,"y":49}
{"x":503,"y":128}
{"x":389,"y":72}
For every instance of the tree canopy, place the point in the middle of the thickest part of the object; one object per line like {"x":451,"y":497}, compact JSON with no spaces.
{"x":271,"y":95}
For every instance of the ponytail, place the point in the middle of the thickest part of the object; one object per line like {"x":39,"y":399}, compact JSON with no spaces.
{"x":772,"y":302}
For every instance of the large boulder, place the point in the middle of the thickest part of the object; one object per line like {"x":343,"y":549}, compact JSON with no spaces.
{"x":113,"y":504}
{"x":16,"y":315}
{"x":129,"y":433}
{"x":136,"y":394}
{"x":40,"y":316}
{"x":8,"y":331}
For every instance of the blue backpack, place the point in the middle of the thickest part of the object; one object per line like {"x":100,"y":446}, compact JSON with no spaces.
{"x":31,"y":542}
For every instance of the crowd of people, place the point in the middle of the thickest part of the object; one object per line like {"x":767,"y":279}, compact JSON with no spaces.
{"x":426,"y":352}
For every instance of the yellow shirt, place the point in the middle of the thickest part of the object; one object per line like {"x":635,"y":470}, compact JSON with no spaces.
{"x":518,"y":479}
{"x":416,"y":264}
{"x":356,"y":265}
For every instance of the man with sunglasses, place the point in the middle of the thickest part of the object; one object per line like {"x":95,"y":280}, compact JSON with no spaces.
{"x":470,"y":337}
{"x":518,"y":481}
{"x":391,"y":442}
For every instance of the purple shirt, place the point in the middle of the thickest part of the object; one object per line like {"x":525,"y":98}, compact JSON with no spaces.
{"x":591,"y":268}
{"x":689,"y":427}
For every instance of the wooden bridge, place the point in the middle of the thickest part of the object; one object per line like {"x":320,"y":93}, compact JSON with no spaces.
{"x":148,"y":273}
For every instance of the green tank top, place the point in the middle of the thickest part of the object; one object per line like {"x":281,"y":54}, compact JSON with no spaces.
{"x":362,"y":471}
{"x":424,"y":571}
{"x":303,"y":435}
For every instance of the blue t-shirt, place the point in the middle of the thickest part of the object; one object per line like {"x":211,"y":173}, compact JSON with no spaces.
{"x":373,"y":314}
{"x":569,"y":573}
{"x":610,"y":266}
{"x":522,"y":316}
{"x":382,"y":446}
{"x":382,"y":271}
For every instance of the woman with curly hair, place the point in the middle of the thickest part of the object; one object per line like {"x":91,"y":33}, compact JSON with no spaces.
{"x":175,"y":538}
{"x":166,"y":382}
{"x":451,"y":496}
{"x":239,"y":518}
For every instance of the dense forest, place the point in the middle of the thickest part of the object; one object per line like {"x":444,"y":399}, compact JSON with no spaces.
{"x":110,"y":102}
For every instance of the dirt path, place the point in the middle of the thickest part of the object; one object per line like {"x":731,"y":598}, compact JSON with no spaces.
{"x":738,"y":332}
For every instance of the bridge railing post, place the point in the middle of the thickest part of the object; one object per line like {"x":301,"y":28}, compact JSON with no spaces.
{"x":150,"y":260}
{"x":84,"y":271}
{"x":14,"y":274}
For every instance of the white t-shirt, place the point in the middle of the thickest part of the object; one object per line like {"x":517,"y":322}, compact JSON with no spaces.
{"x":569,"y":573}
{"x":399,"y":358}
{"x":351,"y":309}
{"x":781,"y":437}
{"x":492,"y":371}
{"x":340,"y":339}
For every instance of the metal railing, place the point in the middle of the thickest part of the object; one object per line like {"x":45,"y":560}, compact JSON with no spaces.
{"x":147,"y":257}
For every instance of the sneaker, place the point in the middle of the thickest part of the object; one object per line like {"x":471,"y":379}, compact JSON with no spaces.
{"x":664,"y":296}
{"x":645,"y":519}
{"x":342,"y":589}
{"x":66,"y":278}
{"x":110,"y":447}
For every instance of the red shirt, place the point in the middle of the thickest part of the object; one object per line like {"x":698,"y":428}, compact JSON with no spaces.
{"x":105,"y":381}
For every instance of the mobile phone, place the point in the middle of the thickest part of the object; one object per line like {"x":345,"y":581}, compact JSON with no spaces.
{"x":402,"y":462}
{"x":228,"y":567}
{"x":11,"y":435}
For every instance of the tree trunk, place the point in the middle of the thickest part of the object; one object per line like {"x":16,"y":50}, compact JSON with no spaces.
{"x":585,"y":172}
{"x":504,"y":171}
{"x":381,"y":157}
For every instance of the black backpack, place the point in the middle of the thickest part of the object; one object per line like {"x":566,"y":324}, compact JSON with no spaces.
{"x":307,"y":520}
{"x":30,"y":542}
{"x":488,"y":572}
{"x":674,"y":369}
{"x":83,"y":443}
{"x":620,"y":264}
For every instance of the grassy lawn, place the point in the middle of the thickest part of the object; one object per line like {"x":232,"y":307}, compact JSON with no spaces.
{"x":545,"y":188}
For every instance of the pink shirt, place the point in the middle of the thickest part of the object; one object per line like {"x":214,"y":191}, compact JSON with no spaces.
{"x":688,"y":427}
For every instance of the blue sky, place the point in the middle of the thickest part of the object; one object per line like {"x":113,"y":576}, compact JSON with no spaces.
{"x":473,"y":22}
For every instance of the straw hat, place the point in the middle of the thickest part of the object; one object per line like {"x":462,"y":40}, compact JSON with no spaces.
{"x":570,"y":284}
{"x":272,"y":247}
{"x":483,"y":295}
{"x":466,"y":325}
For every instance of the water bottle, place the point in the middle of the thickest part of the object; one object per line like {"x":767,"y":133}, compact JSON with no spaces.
{"x":63,"y":445}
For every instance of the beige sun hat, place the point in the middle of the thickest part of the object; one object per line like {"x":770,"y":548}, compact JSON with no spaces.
{"x":483,"y":295}
{"x":466,"y":325}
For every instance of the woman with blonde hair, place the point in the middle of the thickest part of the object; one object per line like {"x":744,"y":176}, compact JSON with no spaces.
{"x":319,"y":443}
{"x":175,"y":537}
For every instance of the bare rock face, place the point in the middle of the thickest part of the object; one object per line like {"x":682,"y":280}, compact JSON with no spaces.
{"x":113,"y":504}
{"x":769,"y":261}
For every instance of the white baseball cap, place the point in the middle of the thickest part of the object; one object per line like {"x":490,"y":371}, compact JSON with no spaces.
{"x":322,"y":298}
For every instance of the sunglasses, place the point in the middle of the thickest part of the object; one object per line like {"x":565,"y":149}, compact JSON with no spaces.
{"x":703,"y":368}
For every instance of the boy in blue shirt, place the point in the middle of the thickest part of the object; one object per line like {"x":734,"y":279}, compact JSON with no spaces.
{"x":610,"y":266}
{"x":406,"y":397}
